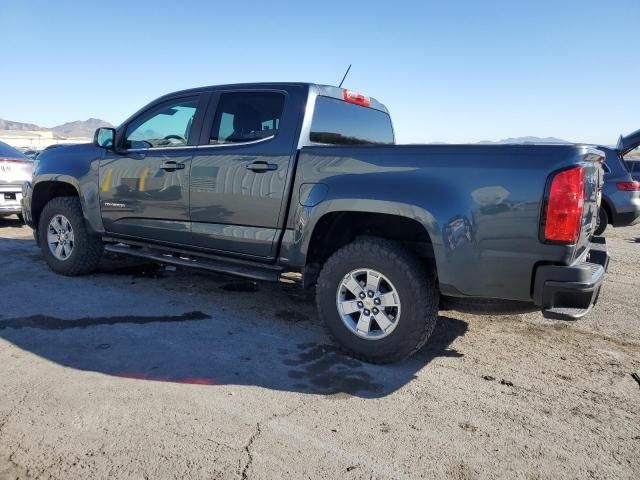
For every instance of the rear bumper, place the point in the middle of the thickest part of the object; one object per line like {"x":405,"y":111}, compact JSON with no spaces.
{"x":624,"y":208}
{"x":10,"y":198}
{"x":570,"y":292}
{"x":626,"y":219}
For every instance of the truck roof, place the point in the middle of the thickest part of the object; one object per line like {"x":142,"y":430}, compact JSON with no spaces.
{"x":323,"y":90}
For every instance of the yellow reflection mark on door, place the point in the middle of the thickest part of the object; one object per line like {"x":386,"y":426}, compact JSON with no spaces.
{"x":107,"y":180}
{"x":143,"y":178}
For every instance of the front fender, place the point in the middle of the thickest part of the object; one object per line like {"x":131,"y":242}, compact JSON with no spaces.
{"x":75,"y":166}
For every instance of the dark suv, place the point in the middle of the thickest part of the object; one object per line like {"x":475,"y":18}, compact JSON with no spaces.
{"x":621,"y":189}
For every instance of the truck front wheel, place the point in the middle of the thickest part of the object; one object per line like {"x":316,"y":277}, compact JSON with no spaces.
{"x":68,"y":248}
{"x":377,"y":300}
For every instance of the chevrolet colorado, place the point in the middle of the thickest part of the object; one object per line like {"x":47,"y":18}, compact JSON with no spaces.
{"x":300,"y":181}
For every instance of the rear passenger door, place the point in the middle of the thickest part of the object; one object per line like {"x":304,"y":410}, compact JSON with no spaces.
{"x":240,"y":171}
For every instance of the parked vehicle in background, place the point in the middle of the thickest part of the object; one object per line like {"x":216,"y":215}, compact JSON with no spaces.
{"x":15,"y":169}
{"x":31,"y":153}
{"x":621,"y":190}
{"x":293,"y":180}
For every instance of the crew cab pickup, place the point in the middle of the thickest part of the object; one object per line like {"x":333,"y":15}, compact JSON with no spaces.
{"x":304,"y":182}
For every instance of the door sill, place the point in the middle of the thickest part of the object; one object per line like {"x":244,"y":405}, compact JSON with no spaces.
{"x":189,"y":259}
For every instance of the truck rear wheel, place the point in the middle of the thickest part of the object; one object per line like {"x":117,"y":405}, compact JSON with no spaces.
{"x":66,"y":245}
{"x":377,"y":300}
{"x":603,"y":221}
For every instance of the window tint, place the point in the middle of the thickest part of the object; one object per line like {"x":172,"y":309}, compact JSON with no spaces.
{"x":246,"y":116}
{"x":7,"y":151}
{"x":166,"y":126}
{"x":342,"y":123}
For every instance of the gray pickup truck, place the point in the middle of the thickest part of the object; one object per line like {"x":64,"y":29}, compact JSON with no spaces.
{"x":296,"y":181}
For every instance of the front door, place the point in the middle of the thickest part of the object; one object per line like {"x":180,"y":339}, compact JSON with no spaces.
{"x":144,"y":184}
{"x":239,"y":173}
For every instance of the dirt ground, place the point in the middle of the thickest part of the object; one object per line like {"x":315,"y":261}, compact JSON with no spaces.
{"x":137,"y":372}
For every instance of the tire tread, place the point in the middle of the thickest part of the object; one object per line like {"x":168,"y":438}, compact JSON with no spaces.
{"x":89,"y":247}
{"x":422,"y":284}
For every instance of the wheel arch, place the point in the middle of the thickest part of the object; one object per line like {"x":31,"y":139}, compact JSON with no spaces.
{"x":334,"y":228}
{"x":49,"y":187}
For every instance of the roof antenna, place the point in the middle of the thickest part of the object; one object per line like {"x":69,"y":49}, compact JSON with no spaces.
{"x":345,"y":76}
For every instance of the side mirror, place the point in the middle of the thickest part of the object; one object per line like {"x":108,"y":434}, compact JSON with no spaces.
{"x":105,"y":138}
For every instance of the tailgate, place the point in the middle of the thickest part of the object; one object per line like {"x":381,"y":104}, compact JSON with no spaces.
{"x":593,"y":178}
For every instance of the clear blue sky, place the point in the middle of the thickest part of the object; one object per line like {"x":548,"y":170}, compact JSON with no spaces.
{"x":452,"y":71}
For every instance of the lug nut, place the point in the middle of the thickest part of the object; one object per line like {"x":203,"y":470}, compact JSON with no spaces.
{"x":370,"y":293}
{"x":377,"y":301}
{"x":375,"y":310}
{"x":360,"y":304}
{"x":362,"y":295}
{"x":366,"y":312}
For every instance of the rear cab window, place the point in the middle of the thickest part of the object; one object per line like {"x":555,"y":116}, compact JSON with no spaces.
{"x":336,"y":122}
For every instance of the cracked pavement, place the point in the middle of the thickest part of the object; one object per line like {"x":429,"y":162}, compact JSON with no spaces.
{"x":143,"y":372}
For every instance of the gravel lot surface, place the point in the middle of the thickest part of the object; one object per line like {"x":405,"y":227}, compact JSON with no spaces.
{"x":137,"y":372}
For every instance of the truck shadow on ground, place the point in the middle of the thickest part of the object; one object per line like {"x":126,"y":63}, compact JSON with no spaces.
{"x":152,"y":348}
{"x":283,"y":349}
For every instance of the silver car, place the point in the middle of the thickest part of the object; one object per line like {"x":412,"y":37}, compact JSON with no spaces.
{"x":15,"y":169}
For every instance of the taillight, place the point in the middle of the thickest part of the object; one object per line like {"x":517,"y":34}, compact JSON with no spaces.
{"x":357,"y":98}
{"x":633,"y":186}
{"x":563,"y":216}
{"x":15,"y":160}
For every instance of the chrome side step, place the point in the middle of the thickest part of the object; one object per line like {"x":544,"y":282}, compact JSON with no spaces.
{"x":244,"y":269}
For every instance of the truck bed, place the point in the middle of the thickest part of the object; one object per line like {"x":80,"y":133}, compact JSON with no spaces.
{"x":480,"y":204}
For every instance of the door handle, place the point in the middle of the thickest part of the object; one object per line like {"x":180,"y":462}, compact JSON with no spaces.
{"x":172,"y":166}
{"x":261,"y":166}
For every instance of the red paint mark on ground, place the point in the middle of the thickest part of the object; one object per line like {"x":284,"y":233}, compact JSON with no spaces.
{"x":158,"y":378}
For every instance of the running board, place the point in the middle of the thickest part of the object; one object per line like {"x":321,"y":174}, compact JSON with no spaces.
{"x":244,"y":269}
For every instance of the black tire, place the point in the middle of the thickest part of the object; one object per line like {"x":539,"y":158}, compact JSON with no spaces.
{"x":603,"y":221}
{"x":87,"y":249}
{"x":416,"y":287}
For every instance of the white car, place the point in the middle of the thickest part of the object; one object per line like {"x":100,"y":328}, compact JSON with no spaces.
{"x":15,"y":169}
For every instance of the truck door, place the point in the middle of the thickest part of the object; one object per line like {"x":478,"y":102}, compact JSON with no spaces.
{"x":240,"y":172}
{"x":144,"y":184}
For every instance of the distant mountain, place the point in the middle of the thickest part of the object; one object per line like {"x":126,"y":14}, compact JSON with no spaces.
{"x":527,"y":140}
{"x":79,"y":128}
{"x":9,"y":125}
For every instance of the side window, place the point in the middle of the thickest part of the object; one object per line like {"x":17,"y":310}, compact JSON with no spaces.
{"x":168,"y":125}
{"x":246,"y":117}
